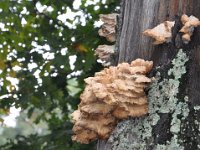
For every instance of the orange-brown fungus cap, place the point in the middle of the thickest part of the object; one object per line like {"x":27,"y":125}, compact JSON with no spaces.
{"x":113,"y":94}
{"x":188,"y":28}
{"x":108,"y":28}
{"x":161,"y":33}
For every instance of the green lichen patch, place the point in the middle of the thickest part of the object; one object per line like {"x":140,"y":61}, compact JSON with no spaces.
{"x":197,"y":107}
{"x":140,"y":133}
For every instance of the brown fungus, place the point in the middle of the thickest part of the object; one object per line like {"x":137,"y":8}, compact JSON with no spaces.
{"x":104,"y":52}
{"x":108,"y":28}
{"x":188,"y":28}
{"x":113,"y":94}
{"x":161,"y":33}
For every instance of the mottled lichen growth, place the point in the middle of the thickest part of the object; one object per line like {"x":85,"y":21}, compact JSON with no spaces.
{"x":137,"y":134}
{"x":197,"y":123}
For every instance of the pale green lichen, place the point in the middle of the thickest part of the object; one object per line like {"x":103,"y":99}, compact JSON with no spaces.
{"x":179,"y":65}
{"x":172,"y":145}
{"x":197,"y":107}
{"x":181,"y":109}
{"x":197,"y":124}
{"x":136,"y":134}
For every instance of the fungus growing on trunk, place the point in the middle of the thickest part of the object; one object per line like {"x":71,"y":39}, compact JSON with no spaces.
{"x":108,"y":28}
{"x":188,"y":28}
{"x":113,"y":94}
{"x":104,"y":53}
{"x":161,"y":33}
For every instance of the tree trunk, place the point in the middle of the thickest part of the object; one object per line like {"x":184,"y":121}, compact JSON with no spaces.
{"x":173,"y":121}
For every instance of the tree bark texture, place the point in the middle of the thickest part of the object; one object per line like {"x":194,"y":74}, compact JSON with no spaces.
{"x":177,"y":88}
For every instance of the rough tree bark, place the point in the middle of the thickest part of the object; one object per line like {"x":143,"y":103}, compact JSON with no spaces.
{"x":173,"y":121}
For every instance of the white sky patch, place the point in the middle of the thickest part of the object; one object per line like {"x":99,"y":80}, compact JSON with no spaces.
{"x":103,"y":1}
{"x":118,"y":8}
{"x":13,"y":81}
{"x":5,"y":96}
{"x":91,"y":2}
{"x":1,"y":81}
{"x":39,"y":80}
{"x":54,"y":74}
{"x":23,"y":21}
{"x":49,"y":9}
{"x":72,"y":16}
{"x":10,"y":120}
{"x":72,"y":60}
{"x":46,"y":47}
{"x":16,"y":68}
{"x":2,"y":27}
{"x":31,"y":66}
{"x":37,"y":73}
{"x":73,"y":39}
{"x":71,"y":26}
{"x":75,"y":73}
{"x":12,"y":54}
{"x":97,"y":24}
{"x":42,"y":8}
{"x":48,"y":56}
{"x":24,"y":11}
{"x":96,"y":7}
{"x":40,"y":49}
{"x":68,"y":15}
{"x":39,"y":7}
{"x":21,"y":59}
{"x":46,"y":74}
{"x":76,"y":4}
{"x":62,"y":66}
{"x":64,"y":51}
{"x":33,"y":43}
{"x":37,"y":76}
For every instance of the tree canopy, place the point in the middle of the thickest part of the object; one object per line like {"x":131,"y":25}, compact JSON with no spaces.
{"x":46,"y":50}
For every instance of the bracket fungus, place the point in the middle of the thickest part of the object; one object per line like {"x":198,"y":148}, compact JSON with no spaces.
{"x":188,"y":28}
{"x":108,"y":28}
{"x":161,"y":33}
{"x":104,"y":53}
{"x":113,"y":94}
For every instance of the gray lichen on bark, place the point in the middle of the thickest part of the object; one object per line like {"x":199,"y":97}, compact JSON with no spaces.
{"x":139,"y":133}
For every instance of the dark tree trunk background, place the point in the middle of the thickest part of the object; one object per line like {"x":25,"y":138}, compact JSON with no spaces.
{"x":135,"y":17}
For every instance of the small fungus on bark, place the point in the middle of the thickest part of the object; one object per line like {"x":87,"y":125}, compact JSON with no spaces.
{"x":188,"y":28}
{"x":104,"y":52}
{"x":161,"y":33}
{"x":113,"y":94}
{"x":108,"y":28}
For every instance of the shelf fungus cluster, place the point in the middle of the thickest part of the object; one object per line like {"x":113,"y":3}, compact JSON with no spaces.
{"x":104,"y":52}
{"x":108,"y":31}
{"x":163,"y":32}
{"x":113,"y":94}
{"x":188,"y":27}
{"x":108,"y":28}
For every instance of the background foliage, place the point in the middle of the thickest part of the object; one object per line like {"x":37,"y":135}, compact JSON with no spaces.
{"x":37,"y":44}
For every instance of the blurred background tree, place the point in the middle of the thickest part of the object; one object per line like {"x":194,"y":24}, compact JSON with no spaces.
{"x":46,"y":50}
